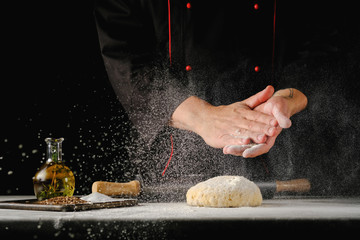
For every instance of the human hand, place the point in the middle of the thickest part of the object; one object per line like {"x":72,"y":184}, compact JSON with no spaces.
{"x":252,"y":150}
{"x":234,"y":124}
{"x":238,"y":123}
{"x":278,"y":106}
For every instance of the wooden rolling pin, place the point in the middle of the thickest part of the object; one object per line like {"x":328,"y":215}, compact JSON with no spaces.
{"x":131,"y":189}
{"x":269,"y":188}
{"x":295,"y":185}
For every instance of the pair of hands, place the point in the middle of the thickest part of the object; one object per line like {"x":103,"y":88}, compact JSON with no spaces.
{"x":258,"y":119}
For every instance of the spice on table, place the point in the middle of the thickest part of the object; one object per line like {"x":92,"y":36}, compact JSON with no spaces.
{"x":61,"y":200}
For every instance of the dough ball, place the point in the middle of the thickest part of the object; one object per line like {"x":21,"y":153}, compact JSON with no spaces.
{"x":225,"y":191}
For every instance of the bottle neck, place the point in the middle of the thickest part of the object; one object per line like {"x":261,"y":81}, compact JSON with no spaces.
{"x":54,"y":150}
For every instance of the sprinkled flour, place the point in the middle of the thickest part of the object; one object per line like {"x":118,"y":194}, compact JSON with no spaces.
{"x":96,"y":197}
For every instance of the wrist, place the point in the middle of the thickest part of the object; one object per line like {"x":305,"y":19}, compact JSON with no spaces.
{"x":285,"y":93}
{"x":297,"y":101}
{"x":190,"y":114}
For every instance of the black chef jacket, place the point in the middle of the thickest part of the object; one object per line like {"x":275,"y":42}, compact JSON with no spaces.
{"x":158,"y":53}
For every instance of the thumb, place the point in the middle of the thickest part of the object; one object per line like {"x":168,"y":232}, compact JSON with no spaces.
{"x":260,"y":97}
{"x":284,"y":122}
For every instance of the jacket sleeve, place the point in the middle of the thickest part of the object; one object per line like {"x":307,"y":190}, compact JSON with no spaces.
{"x":133,"y":43}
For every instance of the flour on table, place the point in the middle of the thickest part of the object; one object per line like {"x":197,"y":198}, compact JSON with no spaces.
{"x":225,"y":191}
{"x":96,"y":197}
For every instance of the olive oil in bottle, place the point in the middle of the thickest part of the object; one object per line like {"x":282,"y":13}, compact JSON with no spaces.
{"x":54,"y":178}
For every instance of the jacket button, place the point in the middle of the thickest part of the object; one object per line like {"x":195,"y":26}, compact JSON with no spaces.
{"x":188,"y":5}
{"x":256,"y":68}
{"x":256,"y":6}
{"x":188,"y":68}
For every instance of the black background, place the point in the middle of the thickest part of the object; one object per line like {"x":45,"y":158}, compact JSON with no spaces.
{"x":54,"y":84}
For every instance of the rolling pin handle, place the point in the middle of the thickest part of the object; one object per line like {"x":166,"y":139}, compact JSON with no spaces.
{"x":296,"y":185}
{"x":117,"y":189}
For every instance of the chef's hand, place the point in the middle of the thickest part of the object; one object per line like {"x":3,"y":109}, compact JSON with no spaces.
{"x":282,"y":105}
{"x":234,"y":124}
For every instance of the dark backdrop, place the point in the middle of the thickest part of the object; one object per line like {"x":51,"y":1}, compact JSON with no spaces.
{"x":54,"y":85}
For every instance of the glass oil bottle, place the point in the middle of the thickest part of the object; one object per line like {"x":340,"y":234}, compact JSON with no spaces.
{"x":54,"y":178}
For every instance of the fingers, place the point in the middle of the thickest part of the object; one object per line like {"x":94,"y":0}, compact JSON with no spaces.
{"x":246,"y":135}
{"x":256,"y":150}
{"x":260,"y":97}
{"x":283,"y":121}
{"x":255,"y":127}
{"x":258,"y":116}
{"x":243,"y":137}
{"x":236,"y":150}
{"x":260,"y":149}
{"x":255,"y":121}
{"x":251,"y":150}
{"x":230,"y":139}
{"x":247,"y":151}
